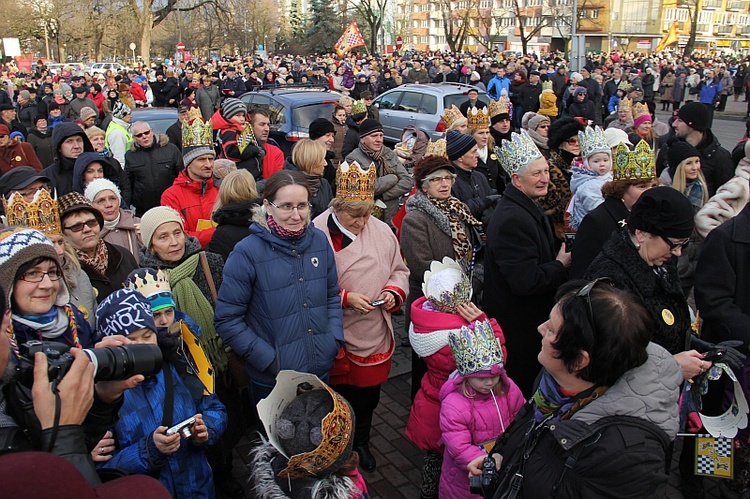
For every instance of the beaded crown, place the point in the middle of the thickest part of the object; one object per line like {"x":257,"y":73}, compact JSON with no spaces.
{"x":625,"y":104}
{"x":518,"y":152}
{"x":477,"y":350}
{"x":592,"y":141}
{"x":359,"y":106}
{"x":437,"y":148}
{"x":196,"y":133}
{"x":446,"y":286}
{"x":479,"y":119}
{"x":639,"y":109}
{"x":40,"y":214}
{"x":451,"y":115}
{"x":355,"y":184}
{"x":499,"y":106}
{"x":638,"y":164}
{"x":547,"y":85}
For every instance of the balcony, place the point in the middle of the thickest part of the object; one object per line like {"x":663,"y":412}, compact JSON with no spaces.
{"x":722,"y":30}
{"x":737,"y":6}
{"x":744,"y":30}
{"x":711,"y":4}
{"x":703,"y":28}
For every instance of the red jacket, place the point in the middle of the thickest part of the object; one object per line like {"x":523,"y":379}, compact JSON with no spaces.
{"x":18,"y":154}
{"x":136,"y":90}
{"x":194,"y":200}
{"x":99,"y":101}
{"x":273,"y":161}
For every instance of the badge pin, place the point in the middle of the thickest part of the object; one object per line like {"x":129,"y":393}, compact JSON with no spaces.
{"x":667,"y":316}
{"x":314,"y":261}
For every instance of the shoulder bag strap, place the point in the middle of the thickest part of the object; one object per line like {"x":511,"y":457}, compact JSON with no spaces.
{"x":166,"y":419}
{"x":209,"y":277}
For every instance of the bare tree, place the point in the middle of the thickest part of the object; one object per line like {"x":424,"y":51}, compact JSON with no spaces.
{"x":456,"y":18}
{"x":693,"y":8}
{"x":373,"y":13}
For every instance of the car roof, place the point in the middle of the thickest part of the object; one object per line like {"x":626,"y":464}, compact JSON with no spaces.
{"x":151,"y":113}
{"x":300,"y":95}
{"x":437,"y":88}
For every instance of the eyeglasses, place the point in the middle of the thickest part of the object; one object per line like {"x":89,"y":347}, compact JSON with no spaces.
{"x":288,"y":208}
{"x":139,"y":135}
{"x":79,"y":226}
{"x":3,"y":136}
{"x":673,"y":246}
{"x":585,"y":293}
{"x":38,"y":275}
{"x":543,"y":126}
{"x":451,"y":179}
{"x":573,"y":141}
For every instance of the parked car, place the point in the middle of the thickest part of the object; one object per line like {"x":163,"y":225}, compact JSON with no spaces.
{"x":420,"y":105}
{"x":292,"y":108}
{"x":160,"y":118}
{"x":103,"y":67}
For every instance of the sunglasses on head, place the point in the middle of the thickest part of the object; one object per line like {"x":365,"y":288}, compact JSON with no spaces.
{"x":142,"y":134}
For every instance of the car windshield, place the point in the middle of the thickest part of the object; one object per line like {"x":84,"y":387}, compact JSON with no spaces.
{"x":306,"y":114}
{"x":458,"y":99}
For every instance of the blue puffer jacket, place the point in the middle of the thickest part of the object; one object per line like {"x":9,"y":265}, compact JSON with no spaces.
{"x":185,"y":473}
{"x":279,"y":305}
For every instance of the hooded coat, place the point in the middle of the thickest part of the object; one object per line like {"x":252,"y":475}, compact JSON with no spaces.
{"x":60,"y":172}
{"x":112,"y":172}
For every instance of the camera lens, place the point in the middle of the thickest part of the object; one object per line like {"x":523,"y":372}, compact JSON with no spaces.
{"x":122,"y":362}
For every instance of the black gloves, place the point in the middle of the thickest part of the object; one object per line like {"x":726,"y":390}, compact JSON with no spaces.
{"x":725,"y":351}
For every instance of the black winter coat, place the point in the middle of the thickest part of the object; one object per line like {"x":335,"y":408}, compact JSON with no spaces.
{"x":716,"y":162}
{"x":234,"y":221}
{"x":594,"y":231}
{"x":42,"y":144}
{"x":351,"y":139}
{"x":721,"y":286}
{"x":521,"y":277}
{"x":661,"y":294}
{"x":152,"y":171}
{"x":493,"y":171}
{"x":472,"y":188}
{"x":528,"y":96}
{"x":385,"y":84}
{"x":120,"y":263}
{"x":60,"y":172}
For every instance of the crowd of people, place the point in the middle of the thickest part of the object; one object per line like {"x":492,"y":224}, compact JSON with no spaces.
{"x":556,"y":203}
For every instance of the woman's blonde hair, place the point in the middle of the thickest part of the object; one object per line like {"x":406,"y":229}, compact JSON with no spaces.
{"x":308,"y":154}
{"x":680,"y":182}
{"x":355,"y":208}
{"x":346,"y":101}
{"x":236,"y":187}
{"x":94,"y":131}
{"x":460,"y":121}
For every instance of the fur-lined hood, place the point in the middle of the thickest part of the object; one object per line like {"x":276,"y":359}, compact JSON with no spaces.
{"x":161,"y":140}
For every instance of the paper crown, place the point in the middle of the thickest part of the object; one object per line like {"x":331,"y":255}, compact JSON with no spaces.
{"x":196,"y":133}
{"x":638,"y":164}
{"x":640,"y":109}
{"x":354,"y":183}
{"x":625,"y":104}
{"x":359,"y":106}
{"x":477,"y":350}
{"x":337,"y":427}
{"x":592,"y":141}
{"x":624,"y":85}
{"x":41,"y":214}
{"x":154,"y":285}
{"x":547,"y":85}
{"x":446,"y":286}
{"x":246,"y":138}
{"x":451,"y":115}
{"x":499,"y":106}
{"x":518,"y":152}
{"x":437,"y":148}
{"x":479,"y":119}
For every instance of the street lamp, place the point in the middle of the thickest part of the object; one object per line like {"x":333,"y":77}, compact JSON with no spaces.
{"x":132,"y":47}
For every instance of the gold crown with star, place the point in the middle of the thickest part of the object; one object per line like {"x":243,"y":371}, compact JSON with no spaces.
{"x":437,"y":148}
{"x":196,"y":133}
{"x":592,"y":141}
{"x":624,"y":85}
{"x":451,"y":115}
{"x":359,"y":106}
{"x":353,"y":183}
{"x":479,"y":119}
{"x":638,"y":164}
{"x":518,"y":152}
{"x":40,"y":214}
{"x":640,"y":109}
{"x":477,"y":350}
{"x":625,"y":104}
{"x":499,"y":106}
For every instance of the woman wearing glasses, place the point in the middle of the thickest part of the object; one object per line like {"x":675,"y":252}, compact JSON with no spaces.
{"x":106,"y":264}
{"x":605,"y":404}
{"x":279,"y":305}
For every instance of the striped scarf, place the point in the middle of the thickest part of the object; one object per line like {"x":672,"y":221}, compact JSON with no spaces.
{"x":549,"y":399}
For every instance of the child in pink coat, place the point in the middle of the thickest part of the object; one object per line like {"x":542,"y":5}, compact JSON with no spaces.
{"x":478,"y":402}
{"x":445,"y":307}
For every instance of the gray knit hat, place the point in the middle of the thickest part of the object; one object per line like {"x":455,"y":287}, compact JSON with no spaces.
{"x":153,"y":218}
{"x":190,"y":153}
{"x":532,"y":120}
{"x":232,"y":106}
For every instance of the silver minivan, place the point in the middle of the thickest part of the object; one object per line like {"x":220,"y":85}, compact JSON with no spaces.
{"x":420,"y":105}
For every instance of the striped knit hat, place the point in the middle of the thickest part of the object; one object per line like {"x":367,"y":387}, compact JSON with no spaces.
{"x":232,"y":106}
{"x":458,"y":144}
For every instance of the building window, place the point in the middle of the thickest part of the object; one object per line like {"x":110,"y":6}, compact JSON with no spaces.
{"x":594,"y":14}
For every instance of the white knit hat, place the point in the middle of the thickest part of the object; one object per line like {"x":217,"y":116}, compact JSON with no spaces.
{"x":101,"y":184}
{"x":153,"y":218}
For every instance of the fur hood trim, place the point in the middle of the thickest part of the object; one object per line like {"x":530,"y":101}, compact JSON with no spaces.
{"x":161,"y":138}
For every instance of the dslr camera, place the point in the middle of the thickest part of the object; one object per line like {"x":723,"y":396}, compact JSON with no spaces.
{"x":485,"y":484}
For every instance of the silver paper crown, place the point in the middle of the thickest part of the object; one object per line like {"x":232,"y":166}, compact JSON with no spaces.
{"x":477,"y":350}
{"x":592,"y":141}
{"x":446,"y":286}
{"x":518,"y":152}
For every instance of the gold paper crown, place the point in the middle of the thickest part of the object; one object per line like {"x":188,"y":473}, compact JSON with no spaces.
{"x":518,"y":152}
{"x":624,"y":85}
{"x":451,"y":115}
{"x":437,"y":148}
{"x":40,"y":214}
{"x":196,"y":133}
{"x":359,"y":106}
{"x":547,"y":85}
{"x":478,"y":119}
{"x":640,"y":109}
{"x":499,"y":106}
{"x":638,"y":164}
{"x":477,"y":350}
{"x":624,"y":104}
{"x":355,"y":184}
{"x":592,"y":141}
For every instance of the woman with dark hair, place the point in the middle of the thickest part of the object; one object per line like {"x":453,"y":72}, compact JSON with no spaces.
{"x":605,"y":406}
{"x":279,"y":305}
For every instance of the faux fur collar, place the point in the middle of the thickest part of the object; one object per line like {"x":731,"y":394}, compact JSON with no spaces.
{"x":419,"y":202}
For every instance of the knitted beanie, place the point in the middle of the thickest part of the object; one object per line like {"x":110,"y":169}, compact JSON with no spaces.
{"x":120,"y":110}
{"x":123,"y":312}
{"x":101,"y":184}
{"x":190,"y":153}
{"x":74,"y":202}
{"x":87,"y":112}
{"x":369,"y":126}
{"x":153,"y":218}
{"x":532,"y":120}
{"x":679,"y":151}
{"x":641,"y":120}
{"x":458,"y":144}
{"x":695,"y":115}
{"x":222,"y":168}
{"x":231,"y":107}
{"x":4,"y":130}
{"x":320,"y":127}
{"x":19,"y":247}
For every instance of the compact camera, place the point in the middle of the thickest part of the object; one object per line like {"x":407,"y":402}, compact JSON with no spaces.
{"x":184,"y":428}
{"x":484,"y":483}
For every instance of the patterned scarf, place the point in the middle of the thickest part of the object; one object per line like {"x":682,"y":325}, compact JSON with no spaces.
{"x":282,"y":232}
{"x":99,"y":261}
{"x":549,"y":399}
{"x":694,"y":192}
{"x":381,"y":166}
{"x":458,"y":214}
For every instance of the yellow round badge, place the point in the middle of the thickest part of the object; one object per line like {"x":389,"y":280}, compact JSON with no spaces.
{"x":667,"y":316}
{"x":493,"y":156}
{"x":18,"y":158}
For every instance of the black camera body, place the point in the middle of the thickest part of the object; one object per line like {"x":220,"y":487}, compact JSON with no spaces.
{"x":484,"y":483}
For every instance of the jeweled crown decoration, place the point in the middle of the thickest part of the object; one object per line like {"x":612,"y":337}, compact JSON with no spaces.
{"x":625,"y":104}
{"x":359,"y":106}
{"x":149,"y":283}
{"x":638,"y":164}
{"x":446,"y":286}
{"x":41,"y":214}
{"x":624,"y":85}
{"x":640,"y":109}
{"x":499,"y":106}
{"x":546,"y":85}
{"x":196,"y":133}
{"x":437,"y":148}
{"x":518,"y":152}
{"x":354,"y":183}
{"x":477,"y":350}
{"x":451,"y":115}
{"x":592,"y":141}
{"x":479,"y":119}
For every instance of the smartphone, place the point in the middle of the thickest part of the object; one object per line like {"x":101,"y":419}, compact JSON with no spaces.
{"x":569,"y":238}
{"x":377,"y":303}
{"x":714,"y":355}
